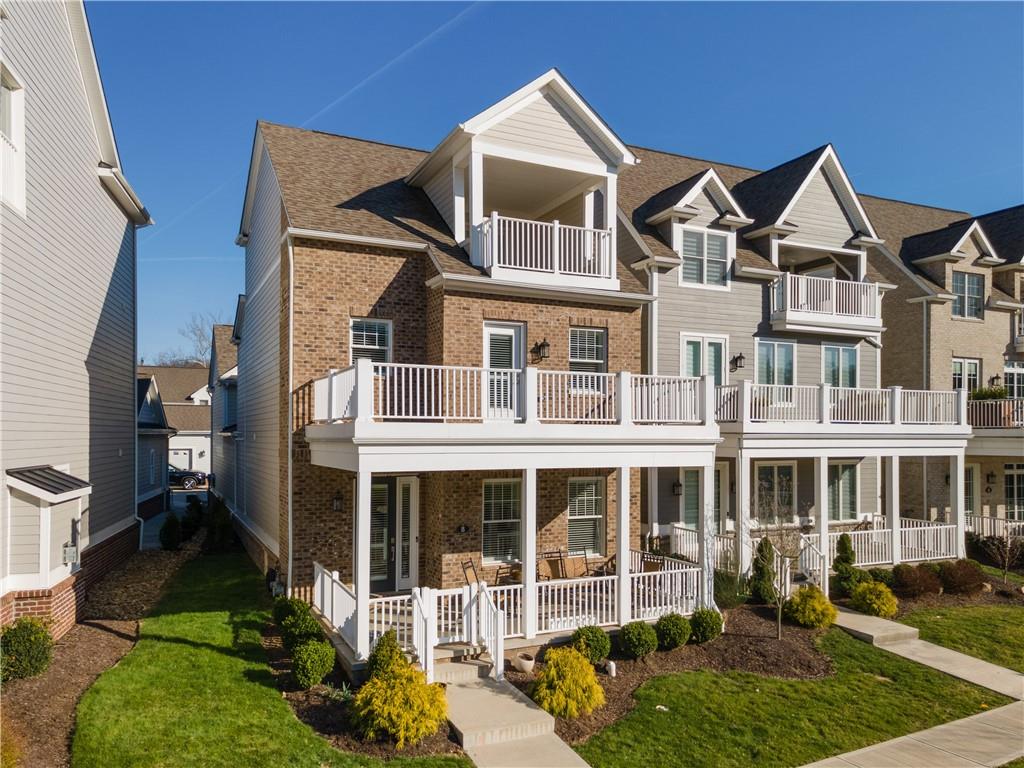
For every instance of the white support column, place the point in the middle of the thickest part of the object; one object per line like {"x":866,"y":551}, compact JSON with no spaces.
{"x":459,"y":208}
{"x":652,"y":501}
{"x":361,"y":562}
{"x":862,"y":265}
{"x":622,"y":546}
{"x":956,"y":501}
{"x":892,"y":504}
{"x":528,"y":555}
{"x":743,"y":557}
{"x":706,"y":536}
{"x":825,"y":403}
{"x":476,"y":200}
{"x":821,"y":510}
{"x":530,"y":392}
{"x":610,"y":208}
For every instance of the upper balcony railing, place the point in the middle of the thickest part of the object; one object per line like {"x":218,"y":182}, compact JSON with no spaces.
{"x":452,"y":394}
{"x":825,"y":300}
{"x":996,"y":414}
{"x":546,"y":248}
{"x":824,"y":404}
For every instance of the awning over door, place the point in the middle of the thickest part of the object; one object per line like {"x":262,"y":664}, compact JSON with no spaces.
{"x":47,"y":483}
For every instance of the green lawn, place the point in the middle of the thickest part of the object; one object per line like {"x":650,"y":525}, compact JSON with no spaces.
{"x":197,"y":690}
{"x":1012,"y":578}
{"x":994,"y":633}
{"x":741,"y":719}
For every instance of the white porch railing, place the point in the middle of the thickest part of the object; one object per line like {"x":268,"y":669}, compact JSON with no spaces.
{"x":727,"y":402}
{"x":810,"y":559}
{"x":871,"y":547}
{"x":570,"y":603}
{"x":825,"y":296}
{"x":641,"y":562}
{"x":492,"y":630}
{"x":453,"y":614}
{"x":994,"y":526}
{"x":927,"y":540}
{"x":335,"y":602}
{"x":922,"y":406}
{"x":395,"y":613}
{"x":657,"y":593}
{"x":859,"y":405}
{"x":774,"y":402}
{"x":996,"y":414}
{"x":684,"y":542}
{"x":509,"y":598}
{"x":541,"y":246}
{"x":665,"y":399}
{"x":579,"y":398}
{"x":424,"y":630}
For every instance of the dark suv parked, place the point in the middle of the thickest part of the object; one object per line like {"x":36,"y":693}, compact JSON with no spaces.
{"x":185,"y":478}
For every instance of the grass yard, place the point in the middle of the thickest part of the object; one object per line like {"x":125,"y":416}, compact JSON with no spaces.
{"x":197,"y":691}
{"x":741,"y":719}
{"x":994,"y":633}
{"x":1012,"y":577}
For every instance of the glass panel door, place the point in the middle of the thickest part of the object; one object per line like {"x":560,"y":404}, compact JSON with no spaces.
{"x":380,"y":537}
{"x":406,"y":575}
{"x":716,"y":361}
{"x":504,"y":359}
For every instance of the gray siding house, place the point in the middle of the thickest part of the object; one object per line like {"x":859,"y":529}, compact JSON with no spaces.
{"x":67,"y":318}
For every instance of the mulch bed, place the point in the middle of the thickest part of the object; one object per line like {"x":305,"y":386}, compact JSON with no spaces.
{"x":747,"y":645}
{"x":329,"y":716}
{"x":42,"y":709}
{"x":1000,"y":595}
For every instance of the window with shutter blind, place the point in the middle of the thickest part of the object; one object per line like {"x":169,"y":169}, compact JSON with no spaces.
{"x":690,"y":500}
{"x":775,"y":362}
{"x":501,"y":520}
{"x":370,"y":339}
{"x":586,"y":516}
{"x":705,"y":257}
{"x":588,"y":354}
{"x":842,"y":492}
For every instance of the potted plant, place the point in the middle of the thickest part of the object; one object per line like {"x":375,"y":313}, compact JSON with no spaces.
{"x":523,"y":662}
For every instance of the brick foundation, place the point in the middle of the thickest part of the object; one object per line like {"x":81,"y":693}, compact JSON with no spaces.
{"x":61,"y":603}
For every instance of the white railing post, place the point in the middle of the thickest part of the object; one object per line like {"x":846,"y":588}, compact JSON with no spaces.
{"x":493,"y":240}
{"x":330,"y":393}
{"x":622,"y":548}
{"x":530,"y":395}
{"x":528,"y":553}
{"x":892,"y":505}
{"x":961,"y":413}
{"x":746,"y":388}
{"x":825,"y":403}
{"x":957,"y":471}
{"x":468,"y":604}
{"x":362,"y":562}
{"x":706,"y":400}
{"x":896,"y":404}
{"x":364,"y":390}
{"x":821,"y":508}
{"x":624,"y":398}
{"x":335,"y":578}
{"x":556,"y":256}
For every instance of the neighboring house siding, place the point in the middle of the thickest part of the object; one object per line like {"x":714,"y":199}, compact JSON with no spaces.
{"x":222,"y":449}
{"x":441,"y":193}
{"x":543,"y":126}
{"x":67,"y":282}
{"x":259,"y":364}
{"x":154,"y":446}
{"x":819,"y":215}
{"x":195,"y":445}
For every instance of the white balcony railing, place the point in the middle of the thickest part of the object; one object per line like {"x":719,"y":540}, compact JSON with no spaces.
{"x":451,"y":394}
{"x":996,"y":414}
{"x":824,"y":404}
{"x":541,"y":246}
{"x":826,"y":296}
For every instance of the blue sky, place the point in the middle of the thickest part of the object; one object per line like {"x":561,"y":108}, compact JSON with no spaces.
{"x":923,"y":101}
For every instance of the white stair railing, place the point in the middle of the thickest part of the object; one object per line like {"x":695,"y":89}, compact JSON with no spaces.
{"x":424,"y":629}
{"x":335,"y":602}
{"x":492,"y":630}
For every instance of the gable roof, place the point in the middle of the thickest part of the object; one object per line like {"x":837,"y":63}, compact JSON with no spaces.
{"x":676,"y":199}
{"x":188,"y":418}
{"x":1005,"y":230}
{"x":177,"y":383}
{"x":766,"y":195}
{"x":146,"y":385}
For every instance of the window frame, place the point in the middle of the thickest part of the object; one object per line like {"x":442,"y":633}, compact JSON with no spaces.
{"x":856,"y":492}
{"x":964,"y":298}
{"x":484,"y":522}
{"x":601,"y":517}
{"x":351,"y":339}
{"x":972,"y":475}
{"x":15,"y":140}
{"x":757,"y":496}
{"x":588,"y":381}
{"x":1013,"y":378}
{"x":825,"y":345}
{"x":965,"y":361}
{"x":1013,"y":477}
{"x":704,"y":339}
{"x":730,"y":257}
{"x":758,"y":341}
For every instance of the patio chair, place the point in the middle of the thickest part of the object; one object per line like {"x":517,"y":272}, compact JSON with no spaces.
{"x":651,"y":566}
{"x":507,"y":574}
{"x":469,"y":571}
{"x":554,"y":561}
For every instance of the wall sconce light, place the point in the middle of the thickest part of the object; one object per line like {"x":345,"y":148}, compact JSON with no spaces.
{"x":995,"y":381}
{"x":677,"y":488}
{"x":541,"y":350}
{"x":990,"y":478}
{"x":462,"y":528}
{"x":737,"y":362}
{"x":336,"y":502}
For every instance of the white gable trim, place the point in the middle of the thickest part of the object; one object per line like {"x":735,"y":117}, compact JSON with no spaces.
{"x":732,"y":214}
{"x":829,"y":164}
{"x":975,"y":229}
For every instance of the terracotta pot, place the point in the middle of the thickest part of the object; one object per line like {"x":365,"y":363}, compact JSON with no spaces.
{"x":523,"y":662}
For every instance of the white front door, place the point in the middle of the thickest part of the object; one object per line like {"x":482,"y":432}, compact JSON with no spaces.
{"x":503,"y":356}
{"x":407,"y":572}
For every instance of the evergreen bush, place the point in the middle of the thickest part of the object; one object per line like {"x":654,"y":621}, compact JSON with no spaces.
{"x":673,"y":630}
{"x":566,"y":686}
{"x":705,"y":625}
{"x":401,"y":706}
{"x":170,"y":532}
{"x":593,"y":642}
{"x":638,"y":639}
{"x":311,"y":661}
{"x":762,"y":579}
{"x":26,"y":649}
{"x":809,"y":607}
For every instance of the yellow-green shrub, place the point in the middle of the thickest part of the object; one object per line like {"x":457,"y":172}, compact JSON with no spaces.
{"x":809,"y":607}
{"x":399,"y":705}
{"x":567,"y":685}
{"x":875,"y":599}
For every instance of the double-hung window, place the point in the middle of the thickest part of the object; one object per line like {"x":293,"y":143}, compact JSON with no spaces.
{"x":371,"y":339}
{"x":839,"y":365}
{"x":968,"y":293}
{"x":1013,"y":376}
{"x":586,"y":516}
{"x":1013,"y":479}
{"x":501,"y":520}
{"x":966,"y":373}
{"x":588,"y":355}
{"x":704,"y":355}
{"x":842,"y":491}
{"x":705,"y":258}
{"x":775,"y":362}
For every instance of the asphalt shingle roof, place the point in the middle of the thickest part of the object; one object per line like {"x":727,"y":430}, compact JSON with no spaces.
{"x":176,"y":382}
{"x":188,"y":418}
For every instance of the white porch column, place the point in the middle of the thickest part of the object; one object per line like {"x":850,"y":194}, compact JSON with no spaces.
{"x":956,"y":501}
{"x":529,"y":552}
{"x":652,"y":501}
{"x":821,"y":509}
{"x":892,"y":504}
{"x":706,"y":536}
{"x":743,"y":554}
{"x":622,"y":545}
{"x":476,"y":202}
{"x":610,"y":211}
{"x":361,"y":562}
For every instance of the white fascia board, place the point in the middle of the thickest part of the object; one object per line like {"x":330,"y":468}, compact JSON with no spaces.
{"x":484,"y":284}
{"x":976,"y":229}
{"x":948,"y":256}
{"x":49,"y":498}
{"x":679,"y":211}
{"x":117,"y":185}
{"x":341,"y":237}
{"x":780,"y":228}
{"x":932,"y":298}
{"x":1000,"y":304}
{"x":929,"y":292}
{"x":759,"y":273}
{"x":231,"y":374}
{"x":255,"y":159}
{"x":447,"y":149}
{"x":1013,"y":267}
{"x":722,"y":194}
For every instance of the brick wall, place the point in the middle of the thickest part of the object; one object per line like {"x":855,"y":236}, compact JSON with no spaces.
{"x":933,"y":503}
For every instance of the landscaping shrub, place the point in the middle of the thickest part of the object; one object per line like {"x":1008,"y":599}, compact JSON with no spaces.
{"x":311,"y":662}
{"x":672,"y":630}
{"x":762,"y":578}
{"x":385,"y":656}
{"x":566,"y":686}
{"x":638,"y":639}
{"x":844,"y":551}
{"x":288,"y":606}
{"x":875,"y":599}
{"x":730,"y":590}
{"x":883,"y":575}
{"x":961,"y":577}
{"x":170,"y":532}
{"x":400,"y":706}
{"x":26,"y":649}
{"x":930,"y":567}
{"x":192,"y":520}
{"x":809,"y":607}
{"x":914,"y":581}
{"x":705,"y":625}
{"x":592,"y":642}
{"x":298,"y":628}
{"x":220,"y":533}
{"x":847,"y":578}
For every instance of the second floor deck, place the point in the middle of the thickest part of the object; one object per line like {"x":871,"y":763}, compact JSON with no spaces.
{"x":825,"y":305}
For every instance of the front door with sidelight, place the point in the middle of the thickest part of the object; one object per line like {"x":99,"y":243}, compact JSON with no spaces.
{"x":394,"y":534}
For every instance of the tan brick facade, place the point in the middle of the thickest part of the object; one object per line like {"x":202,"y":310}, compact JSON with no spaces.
{"x":926,"y":493}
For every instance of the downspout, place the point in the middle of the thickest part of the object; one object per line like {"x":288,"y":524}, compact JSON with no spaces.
{"x":925,"y":380}
{"x":288,"y":426}
{"x":135,"y":377}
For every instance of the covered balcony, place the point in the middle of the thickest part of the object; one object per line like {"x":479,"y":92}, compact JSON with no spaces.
{"x":825,"y":304}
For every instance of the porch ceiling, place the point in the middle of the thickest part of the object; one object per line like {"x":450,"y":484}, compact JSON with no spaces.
{"x":525,"y":189}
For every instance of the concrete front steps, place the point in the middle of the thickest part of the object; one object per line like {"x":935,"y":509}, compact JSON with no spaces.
{"x":497,"y":725}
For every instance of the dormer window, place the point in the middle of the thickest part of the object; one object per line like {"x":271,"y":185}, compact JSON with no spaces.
{"x":706,"y":256}
{"x":969,"y":294}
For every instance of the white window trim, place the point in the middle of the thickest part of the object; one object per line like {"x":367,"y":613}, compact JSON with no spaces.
{"x":1012,"y":469}
{"x":964,"y":361}
{"x":975,"y":503}
{"x":15,"y":143}
{"x":602,"y":533}
{"x":704,"y":338}
{"x":824,"y":345}
{"x":391,"y":336}
{"x":757,"y":357}
{"x":856,"y":484}
{"x":757,"y":496}
{"x":952,"y":289}
{"x":484,"y":559}
{"x":730,"y":256}
{"x":604,"y":361}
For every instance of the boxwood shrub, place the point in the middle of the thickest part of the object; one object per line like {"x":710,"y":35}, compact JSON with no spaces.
{"x":705,"y":625}
{"x":638,"y":639}
{"x":311,"y":662}
{"x":26,"y":649}
{"x":673,"y":630}
{"x":593,"y":642}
